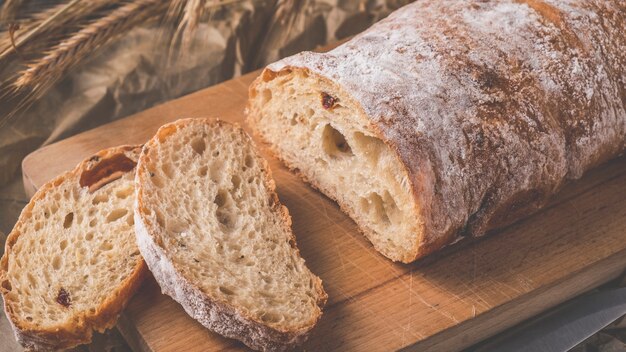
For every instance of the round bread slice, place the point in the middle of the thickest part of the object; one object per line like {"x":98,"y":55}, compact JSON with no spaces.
{"x":71,"y":262}
{"x":213,"y":233}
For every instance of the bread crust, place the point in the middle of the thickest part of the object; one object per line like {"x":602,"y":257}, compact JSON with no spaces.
{"x":80,"y":331}
{"x":214,"y":314}
{"x":490,"y":106}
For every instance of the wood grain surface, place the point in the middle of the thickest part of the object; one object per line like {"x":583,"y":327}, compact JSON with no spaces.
{"x":445,"y":302}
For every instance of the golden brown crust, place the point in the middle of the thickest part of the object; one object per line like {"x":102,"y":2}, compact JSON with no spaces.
{"x":79,"y":331}
{"x":491,"y":106}
{"x":211,"y":312}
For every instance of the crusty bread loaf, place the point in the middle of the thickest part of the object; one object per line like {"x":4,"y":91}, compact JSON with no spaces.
{"x":451,"y":118}
{"x":213,"y":233}
{"x":71,"y":262}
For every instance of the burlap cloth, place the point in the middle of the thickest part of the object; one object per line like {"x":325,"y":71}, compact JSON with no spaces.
{"x":128,"y":76}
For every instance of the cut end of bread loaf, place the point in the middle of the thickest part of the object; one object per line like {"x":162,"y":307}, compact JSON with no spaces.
{"x":71,"y":262}
{"x":318,"y":129}
{"x":216,"y":238}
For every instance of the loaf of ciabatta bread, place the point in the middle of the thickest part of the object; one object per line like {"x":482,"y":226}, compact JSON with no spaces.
{"x":218,"y":241}
{"x":451,"y":118}
{"x":71,"y":262}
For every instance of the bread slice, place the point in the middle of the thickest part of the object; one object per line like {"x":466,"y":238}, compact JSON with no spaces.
{"x":71,"y":262}
{"x":213,"y":233}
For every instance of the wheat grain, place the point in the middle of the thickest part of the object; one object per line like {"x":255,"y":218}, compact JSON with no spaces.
{"x":9,"y":10}
{"x":46,"y":70}
{"x":58,"y":18}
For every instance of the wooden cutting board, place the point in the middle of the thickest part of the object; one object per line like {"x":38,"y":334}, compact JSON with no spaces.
{"x":443,"y":303}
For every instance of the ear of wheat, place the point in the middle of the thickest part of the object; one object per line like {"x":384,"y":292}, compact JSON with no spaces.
{"x":37,"y":49}
{"x":47,"y":22}
{"x":43,"y":72}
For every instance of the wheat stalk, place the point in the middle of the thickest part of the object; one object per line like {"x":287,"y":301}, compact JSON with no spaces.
{"x":17,"y":41}
{"x":46,"y":70}
{"x":57,"y":18}
{"x":9,"y":10}
{"x":191,"y":17}
{"x":185,"y":16}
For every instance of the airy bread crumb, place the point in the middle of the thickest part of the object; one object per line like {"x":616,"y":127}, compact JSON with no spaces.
{"x":216,"y":238}
{"x":316,"y":128}
{"x":71,"y":262}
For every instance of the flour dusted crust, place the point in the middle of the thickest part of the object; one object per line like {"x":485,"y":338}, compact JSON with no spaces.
{"x":212,"y":312}
{"x":491,"y":106}
{"x":80,"y":329}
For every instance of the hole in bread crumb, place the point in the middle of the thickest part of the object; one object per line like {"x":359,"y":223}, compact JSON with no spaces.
{"x":225,"y":219}
{"x":106,"y":246}
{"x":159,"y":217}
{"x":236,"y":181}
{"x":89,"y":236}
{"x":334,"y":143}
{"x":249,"y":161}
{"x":220,"y":198}
{"x":227,"y":291}
{"x":31,"y":279}
{"x":167,"y":170}
{"x":69,"y":218}
{"x":100,"y":198}
{"x":56,"y":262}
{"x":370,"y":146}
{"x":116,"y":214}
{"x":202,"y":171}
{"x":391,"y":209}
{"x":124,"y":192}
{"x":309,"y":113}
{"x":63,"y":244}
{"x":198,"y":145}
{"x":6,"y":285}
{"x":224,"y":212}
{"x":374,"y":206}
{"x":29,"y":318}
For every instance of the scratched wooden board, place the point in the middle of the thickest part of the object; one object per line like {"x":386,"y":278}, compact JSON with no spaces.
{"x":446,"y":302}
